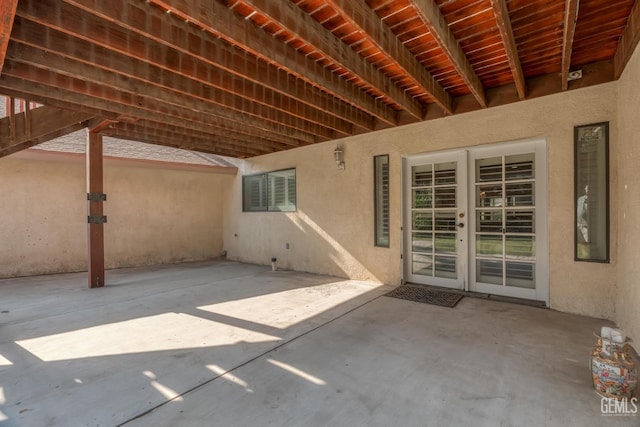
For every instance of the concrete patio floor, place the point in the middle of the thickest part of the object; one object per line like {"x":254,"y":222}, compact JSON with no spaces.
{"x":228,"y":344}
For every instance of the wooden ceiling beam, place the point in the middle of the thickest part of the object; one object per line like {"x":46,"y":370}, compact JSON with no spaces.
{"x":506,"y":33}
{"x":45,"y":123}
{"x":629,"y":40}
{"x":173,"y":144}
{"x":304,"y":27}
{"x":380,"y":35}
{"x":7,"y":14}
{"x":209,"y":103}
{"x":145,"y":133}
{"x":179,"y":36}
{"x":27,"y":82}
{"x":230,"y":141}
{"x":185,"y":75}
{"x":69,"y":20}
{"x":220,"y":22}
{"x":219,"y":134}
{"x":430,"y":14}
{"x":135,"y":105}
{"x":223,"y":129}
{"x":570,"y":19}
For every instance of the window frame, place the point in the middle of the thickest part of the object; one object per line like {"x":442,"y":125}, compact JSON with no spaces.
{"x":268,"y":191}
{"x":379,"y":239}
{"x":604,"y":222}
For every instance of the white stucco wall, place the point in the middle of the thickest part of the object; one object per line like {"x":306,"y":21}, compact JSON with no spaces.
{"x":155,"y":215}
{"x":332,"y":232}
{"x":627,"y":163}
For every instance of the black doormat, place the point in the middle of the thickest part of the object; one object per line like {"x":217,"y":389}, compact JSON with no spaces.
{"x":425,"y":295}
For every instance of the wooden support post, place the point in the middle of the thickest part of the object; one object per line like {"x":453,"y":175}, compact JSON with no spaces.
{"x":27,"y":119}
{"x":12,"y":119}
{"x":95,"y":235}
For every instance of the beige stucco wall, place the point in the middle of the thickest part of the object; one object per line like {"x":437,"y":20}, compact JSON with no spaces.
{"x":155,"y":215}
{"x":332,"y":232}
{"x":627,"y":162}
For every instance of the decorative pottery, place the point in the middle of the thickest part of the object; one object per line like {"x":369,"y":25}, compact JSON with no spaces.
{"x":614,"y":369}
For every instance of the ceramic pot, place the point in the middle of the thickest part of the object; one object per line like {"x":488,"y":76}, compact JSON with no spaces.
{"x":614,"y":370}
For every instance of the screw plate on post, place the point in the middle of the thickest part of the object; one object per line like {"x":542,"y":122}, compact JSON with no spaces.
{"x":97,"y":219}
{"x":96,"y":197}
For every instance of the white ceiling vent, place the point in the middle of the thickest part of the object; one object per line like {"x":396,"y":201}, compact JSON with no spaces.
{"x":575,"y":75}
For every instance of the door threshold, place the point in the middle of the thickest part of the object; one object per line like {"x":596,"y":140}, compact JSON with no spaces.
{"x":481,"y":295}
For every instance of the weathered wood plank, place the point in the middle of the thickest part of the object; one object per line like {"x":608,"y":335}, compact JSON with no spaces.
{"x":430,"y":14}
{"x":380,"y":35}
{"x":140,"y":106}
{"x":214,"y":130}
{"x":47,"y":122}
{"x":7,"y":14}
{"x":570,"y":19}
{"x":506,"y":33}
{"x":629,"y":40}
{"x":218,"y":20}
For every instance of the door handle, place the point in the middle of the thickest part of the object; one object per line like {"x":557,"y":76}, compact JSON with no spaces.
{"x":461,"y":225}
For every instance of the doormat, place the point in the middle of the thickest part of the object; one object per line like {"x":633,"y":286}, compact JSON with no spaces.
{"x":425,"y":295}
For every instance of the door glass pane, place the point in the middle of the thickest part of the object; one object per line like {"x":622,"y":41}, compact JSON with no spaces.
{"x":489,"y":271}
{"x":520,"y":274}
{"x":489,"y":169}
{"x":445,"y":173}
{"x":489,"y":245}
{"x":445,"y":197}
{"x":422,"y":242}
{"x":519,"y":166}
{"x":489,"y":221}
{"x":519,"y":194}
{"x":422,"y":265}
{"x":421,"y":198}
{"x":445,"y":221}
{"x":422,"y":221}
{"x":489,"y":195}
{"x":445,"y":243}
{"x":521,"y":221}
{"x":446,"y":267}
{"x":520,"y":247}
{"x":421,"y":176}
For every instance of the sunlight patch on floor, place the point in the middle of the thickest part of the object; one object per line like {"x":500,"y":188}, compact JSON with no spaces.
{"x":287,"y":308}
{"x":163,"y":332}
{"x":4,"y":361}
{"x":302,"y":374}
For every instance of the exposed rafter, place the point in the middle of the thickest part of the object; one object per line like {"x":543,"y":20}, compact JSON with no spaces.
{"x":45,"y":123}
{"x":376,"y":32}
{"x":570,"y":18}
{"x":430,"y":13}
{"x":506,"y":32}
{"x":225,"y":24}
{"x":7,"y":14}
{"x":304,"y":27}
{"x":246,"y":78}
{"x":629,"y":40}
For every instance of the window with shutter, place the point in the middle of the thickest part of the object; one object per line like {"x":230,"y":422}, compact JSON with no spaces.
{"x":381,"y":200}
{"x":269,"y":191}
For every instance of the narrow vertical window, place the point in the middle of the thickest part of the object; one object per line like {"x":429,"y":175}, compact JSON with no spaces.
{"x":381,"y":200}
{"x":591,"y":183}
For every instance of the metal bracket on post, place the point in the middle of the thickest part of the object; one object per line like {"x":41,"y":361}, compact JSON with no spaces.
{"x":96,"y":197}
{"x":97,"y":219}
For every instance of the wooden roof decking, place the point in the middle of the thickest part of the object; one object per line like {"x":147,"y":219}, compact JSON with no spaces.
{"x":248,"y":77}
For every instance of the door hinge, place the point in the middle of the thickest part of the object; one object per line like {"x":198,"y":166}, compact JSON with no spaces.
{"x":400,"y":256}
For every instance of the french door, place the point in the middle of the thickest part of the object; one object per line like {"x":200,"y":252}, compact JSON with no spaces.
{"x":476,"y":219}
